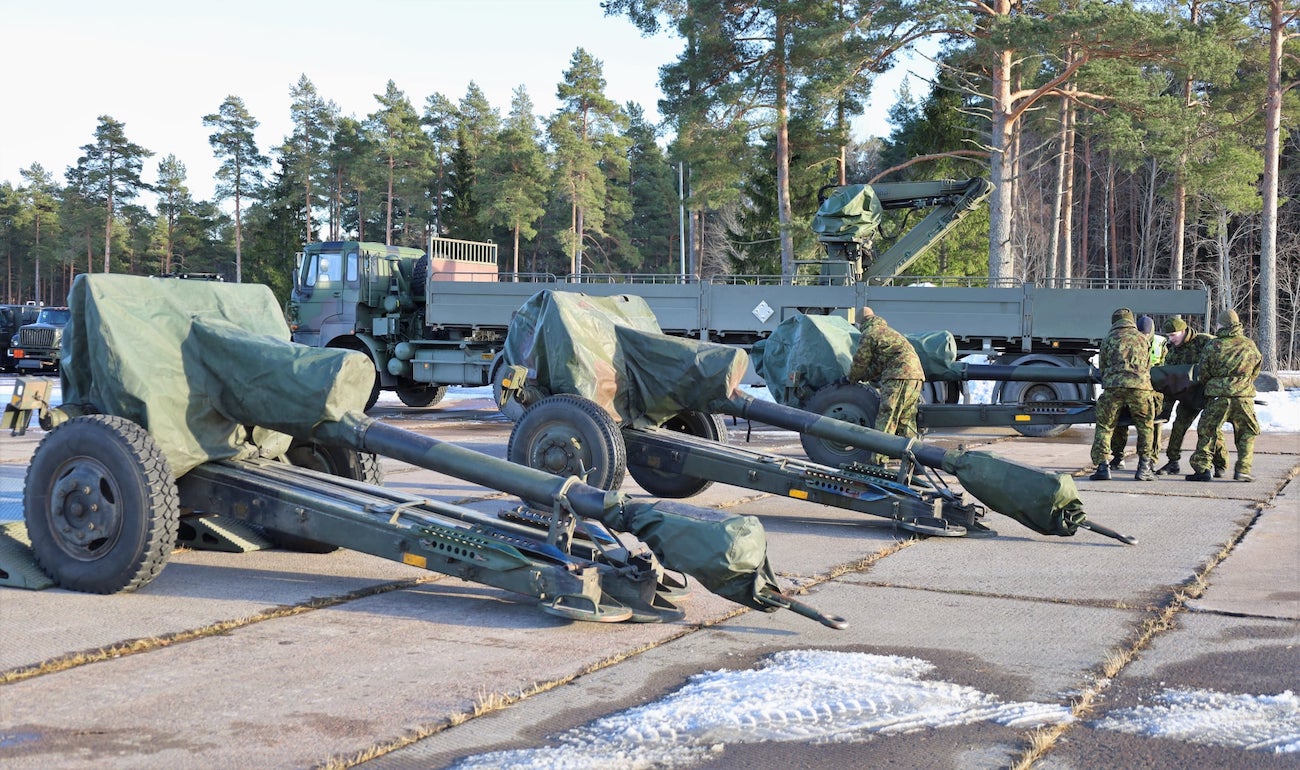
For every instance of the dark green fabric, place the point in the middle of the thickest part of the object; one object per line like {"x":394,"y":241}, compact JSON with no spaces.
{"x":1046,"y":503}
{"x":805,"y":353}
{"x":725,"y":552}
{"x":851,"y":213}
{"x":171,"y":356}
{"x":610,"y":350}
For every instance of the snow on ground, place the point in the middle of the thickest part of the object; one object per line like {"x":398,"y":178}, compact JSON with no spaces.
{"x":1259,"y":722}
{"x":798,"y":695}
{"x":822,"y":696}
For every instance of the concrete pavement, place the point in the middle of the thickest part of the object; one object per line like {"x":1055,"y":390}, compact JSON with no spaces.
{"x":276,"y":659}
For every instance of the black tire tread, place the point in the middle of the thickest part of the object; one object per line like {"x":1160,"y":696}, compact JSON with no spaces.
{"x":610,"y":478}
{"x":162,"y":523}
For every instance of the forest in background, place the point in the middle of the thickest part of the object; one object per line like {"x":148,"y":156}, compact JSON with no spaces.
{"x":1130,"y":145}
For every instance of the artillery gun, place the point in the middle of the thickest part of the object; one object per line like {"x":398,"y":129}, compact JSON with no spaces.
{"x":607,"y":393}
{"x":806,"y":364}
{"x":205,"y":422}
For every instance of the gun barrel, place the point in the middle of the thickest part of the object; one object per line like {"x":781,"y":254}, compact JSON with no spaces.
{"x":368,"y":435}
{"x":841,"y":432}
{"x":1028,"y":373}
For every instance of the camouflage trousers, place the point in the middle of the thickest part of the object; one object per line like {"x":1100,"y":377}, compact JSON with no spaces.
{"x":1238,"y":411}
{"x":1184,"y":415}
{"x":897,"y":413}
{"x":1141,"y":407}
{"x":1119,"y":439}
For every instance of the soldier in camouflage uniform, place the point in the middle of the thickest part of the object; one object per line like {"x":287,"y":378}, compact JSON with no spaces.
{"x":886,"y":357}
{"x":1125,"y":360}
{"x":1229,"y":366}
{"x":1185,"y":348}
{"x":1159,"y":345}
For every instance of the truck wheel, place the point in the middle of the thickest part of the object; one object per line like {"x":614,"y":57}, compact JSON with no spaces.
{"x":847,"y":402}
{"x":374,"y":394}
{"x":420,"y":396}
{"x":336,"y":461}
{"x":101,"y":505}
{"x":662,"y":483}
{"x":570,"y":436}
{"x":1030,"y":392}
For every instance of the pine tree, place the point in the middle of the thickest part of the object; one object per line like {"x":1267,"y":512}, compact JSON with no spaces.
{"x":511,"y":185}
{"x":242,"y":168}
{"x":112,"y":166}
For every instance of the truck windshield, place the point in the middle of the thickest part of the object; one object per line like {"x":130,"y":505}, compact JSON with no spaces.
{"x":54,"y":316}
{"x":324,"y":268}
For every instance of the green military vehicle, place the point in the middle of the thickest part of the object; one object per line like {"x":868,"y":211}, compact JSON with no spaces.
{"x":36,"y":346}
{"x":13,"y":318}
{"x":437,"y":319}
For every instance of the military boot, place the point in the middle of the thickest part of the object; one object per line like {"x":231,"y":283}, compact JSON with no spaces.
{"x":1117,"y":463}
{"x":1102,"y":473}
{"x":1170,"y":468}
{"x":1219,"y":470}
{"x":1201,"y":475}
{"x":1144,"y":472}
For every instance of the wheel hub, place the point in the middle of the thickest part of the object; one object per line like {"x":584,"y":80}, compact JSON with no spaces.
{"x":558,"y":453}
{"x":84,"y":511}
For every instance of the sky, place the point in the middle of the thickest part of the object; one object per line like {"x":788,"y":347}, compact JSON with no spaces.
{"x":159,"y":67}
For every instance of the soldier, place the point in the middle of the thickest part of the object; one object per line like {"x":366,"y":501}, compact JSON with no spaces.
{"x":885,"y":356}
{"x":1229,"y":366}
{"x":1147,"y":325}
{"x":1185,"y":347}
{"x":1125,"y":360}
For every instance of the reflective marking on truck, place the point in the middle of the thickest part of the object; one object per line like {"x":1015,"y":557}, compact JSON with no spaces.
{"x":799,"y":494}
{"x":415,"y":560}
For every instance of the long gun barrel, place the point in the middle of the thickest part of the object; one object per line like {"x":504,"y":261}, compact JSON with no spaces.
{"x":1045,"y":502}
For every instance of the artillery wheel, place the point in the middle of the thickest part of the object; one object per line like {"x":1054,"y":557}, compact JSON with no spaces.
{"x":420,"y":396}
{"x":101,"y":505}
{"x":1030,"y":392}
{"x":847,"y":402}
{"x":662,"y":483}
{"x":570,"y":436}
{"x":336,"y":461}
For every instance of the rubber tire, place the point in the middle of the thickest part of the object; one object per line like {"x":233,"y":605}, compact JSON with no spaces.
{"x":137,"y":505}
{"x":679,"y":485}
{"x":560,"y":419}
{"x":848,"y":402}
{"x":336,"y":461}
{"x":420,"y":278}
{"x":1015,"y":393}
{"x":422,"y":396}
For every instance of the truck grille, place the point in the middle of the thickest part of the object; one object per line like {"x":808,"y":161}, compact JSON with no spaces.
{"x":35,"y":338}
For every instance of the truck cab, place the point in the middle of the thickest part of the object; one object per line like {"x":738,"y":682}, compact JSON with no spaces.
{"x":35,"y":348}
{"x":13,"y":318}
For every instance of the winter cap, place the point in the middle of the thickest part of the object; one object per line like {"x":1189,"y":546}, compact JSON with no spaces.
{"x":1175,"y":324}
{"x":1121,"y":314}
{"x":1146,"y":324}
{"x":1228,"y":317}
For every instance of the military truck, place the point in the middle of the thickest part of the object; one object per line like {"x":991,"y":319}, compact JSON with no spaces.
{"x":13,"y":318}
{"x":36,"y":346}
{"x":437,"y":319}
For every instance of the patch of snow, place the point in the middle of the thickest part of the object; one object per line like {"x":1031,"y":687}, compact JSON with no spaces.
{"x":819,"y":696}
{"x":1254,"y":722}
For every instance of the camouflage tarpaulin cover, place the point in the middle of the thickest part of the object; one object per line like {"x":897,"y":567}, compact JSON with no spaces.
{"x":1045,"y":502}
{"x":803,"y":354}
{"x":175,"y":357}
{"x":851,"y":213}
{"x":806,"y":353}
{"x":611,"y":351}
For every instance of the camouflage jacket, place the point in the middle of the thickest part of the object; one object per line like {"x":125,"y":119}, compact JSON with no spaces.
{"x":883,"y":354}
{"x":1189,"y":352}
{"x":1125,"y":357}
{"x":1230,"y":364}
